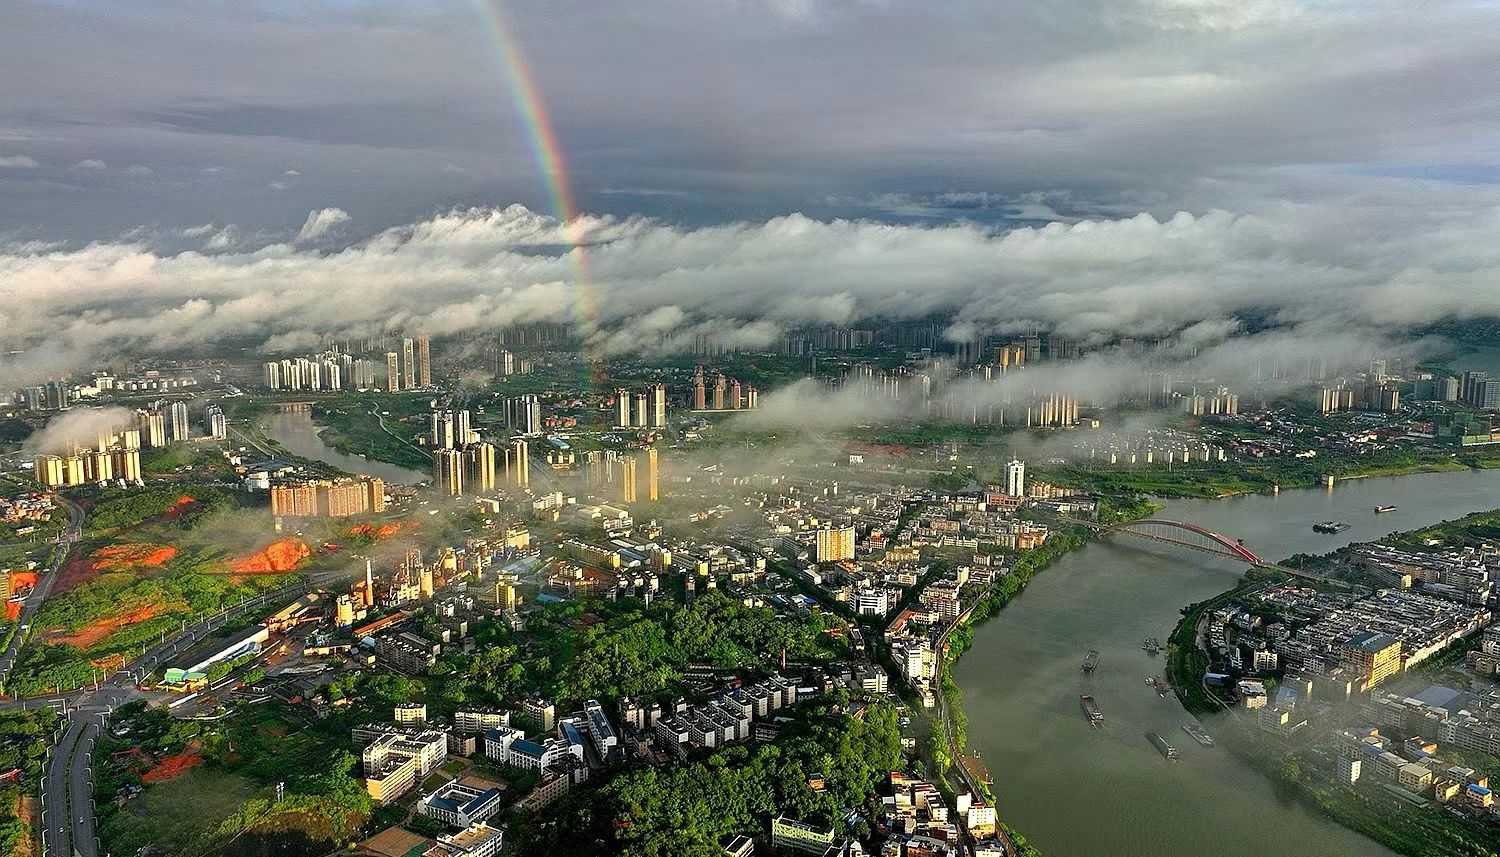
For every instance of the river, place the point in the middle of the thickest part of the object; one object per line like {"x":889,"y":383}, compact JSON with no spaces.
{"x":1076,"y":791}
{"x":298,"y":434}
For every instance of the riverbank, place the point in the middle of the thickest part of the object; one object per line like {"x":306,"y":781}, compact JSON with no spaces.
{"x":372,"y":428}
{"x":1226,"y":480}
{"x":297,"y":435}
{"x":961,"y":638}
{"x":1187,"y":661}
{"x":1405,"y":829}
{"x":1115,"y":510}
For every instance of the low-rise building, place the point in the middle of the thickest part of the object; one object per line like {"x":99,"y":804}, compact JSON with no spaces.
{"x":396,"y":759}
{"x":479,"y":719}
{"x":406,"y":652}
{"x":459,"y":805}
{"x":479,"y":840}
{"x":800,"y":836}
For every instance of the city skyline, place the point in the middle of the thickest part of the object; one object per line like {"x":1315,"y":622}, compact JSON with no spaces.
{"x":749,"y":428}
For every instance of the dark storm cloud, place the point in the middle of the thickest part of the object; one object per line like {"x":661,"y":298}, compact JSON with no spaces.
{"x":710,"y":109}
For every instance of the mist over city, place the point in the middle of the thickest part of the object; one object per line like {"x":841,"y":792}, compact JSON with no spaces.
{"x":685,"y":428}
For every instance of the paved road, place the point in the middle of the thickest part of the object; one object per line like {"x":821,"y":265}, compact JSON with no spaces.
{"x":43,"y":587}
{"x":68,"y":782}
{"x":57,"y":833}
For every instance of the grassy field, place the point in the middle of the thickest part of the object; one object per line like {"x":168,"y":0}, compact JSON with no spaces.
{"x":181,"y":814}
{"x":153,"y":559}
{"x":201,"y":457}
{"x":351,"y":426}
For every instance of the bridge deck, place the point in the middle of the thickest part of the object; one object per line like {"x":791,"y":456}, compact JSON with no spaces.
{"x":1195,"y":538}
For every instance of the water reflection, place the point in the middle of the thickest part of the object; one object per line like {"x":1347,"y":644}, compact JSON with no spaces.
{"x":299,"y":434}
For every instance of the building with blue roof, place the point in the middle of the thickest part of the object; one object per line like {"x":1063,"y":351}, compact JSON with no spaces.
{"x":1438,"y":696}
{"x":459,"y":805}
{"x":599,"y":728}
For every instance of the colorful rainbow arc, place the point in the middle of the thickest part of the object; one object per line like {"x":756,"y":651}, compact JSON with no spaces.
{"x":529,"y":105}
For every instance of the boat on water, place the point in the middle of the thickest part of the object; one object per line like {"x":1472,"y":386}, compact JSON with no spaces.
{"x":1387,"y":508}
{"x":1162,"y":746}
{"x":1091,"y":710}
{"x":1160,"y":683}
{"x":1330,"y":527}
{"x":1152,"y":646}
{"x":1090,"y":661}
{"x":1198,"y":734}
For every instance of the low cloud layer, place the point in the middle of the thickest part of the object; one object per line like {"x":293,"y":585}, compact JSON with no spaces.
{"x":1259,"y":367}
{"x":77,"y":427}
{"x":642,"y":285}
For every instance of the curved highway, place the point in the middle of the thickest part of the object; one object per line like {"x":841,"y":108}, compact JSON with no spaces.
{"x":68,"y":782}
{"x":43,"y":586}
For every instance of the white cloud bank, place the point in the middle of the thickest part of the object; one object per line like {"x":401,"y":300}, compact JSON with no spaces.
{"x":478,"y":269}
{"x":320,"y":223}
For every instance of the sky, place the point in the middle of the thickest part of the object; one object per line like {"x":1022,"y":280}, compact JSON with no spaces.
{"x":186,"y":161}
{"x":118,"y":114}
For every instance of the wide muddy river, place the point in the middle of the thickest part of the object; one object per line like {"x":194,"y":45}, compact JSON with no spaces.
{"x":1077,"y":791}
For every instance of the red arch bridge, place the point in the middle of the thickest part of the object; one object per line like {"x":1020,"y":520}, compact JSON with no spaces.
{"x":1184,"y":534}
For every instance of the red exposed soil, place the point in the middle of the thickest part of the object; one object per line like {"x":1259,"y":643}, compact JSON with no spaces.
{"x":172,"y":766}
{"x":115,"y":558}
{"x":133,"y":556}
{"x":90,"y":634}
{"x":183,"y":505}
{"x":376,"y":532}
{"x":77,"y":572}
{"x":279,"y":556}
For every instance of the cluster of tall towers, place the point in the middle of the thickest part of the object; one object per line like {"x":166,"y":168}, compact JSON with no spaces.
{"x":116,"y":456}
{"x":480,"y":467}
{"x":626,"y":477}
{"x":523,"y":414}
{"x":410,"y":368}
{"x":726,"y":394}
{"x":464,"y":464}
{"x":319,"y":372}
{"x":451,"y":429}
{"x":900,"y":383}
{"x":646,"y":409}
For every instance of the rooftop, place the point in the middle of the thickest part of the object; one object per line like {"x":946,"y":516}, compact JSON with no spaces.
{"x":1438,"y":696}
{"x":1371,"y":642}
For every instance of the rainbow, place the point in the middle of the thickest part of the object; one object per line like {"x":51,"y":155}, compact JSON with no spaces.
{"x":551,"y":161}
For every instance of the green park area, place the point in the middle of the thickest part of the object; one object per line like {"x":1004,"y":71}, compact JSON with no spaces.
{"x":592,"y":649}
{"x":689,"y":810}
{"x":574,"y":651}
{"x":151,"y":559}
{"x":227,"y":771}
{"x":382,"y":427}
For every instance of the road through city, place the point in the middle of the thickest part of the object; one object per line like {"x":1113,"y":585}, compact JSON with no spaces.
{"x":43,"y":588}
